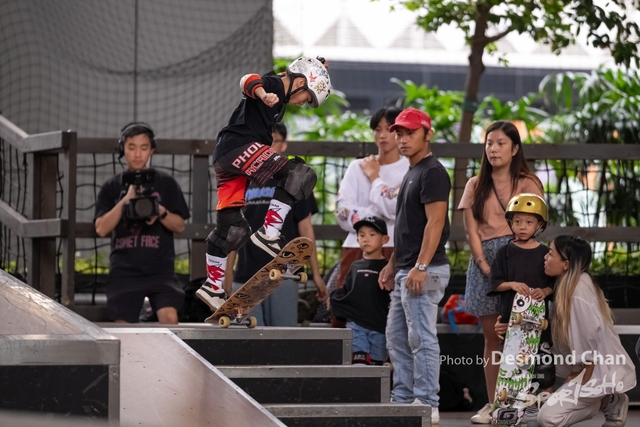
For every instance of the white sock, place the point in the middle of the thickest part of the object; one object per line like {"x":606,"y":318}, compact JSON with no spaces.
{"x":274,"y":219}
{"x":215,"y":271}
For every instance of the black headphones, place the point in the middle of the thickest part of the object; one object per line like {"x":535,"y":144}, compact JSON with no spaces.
{"x":130,"y":130}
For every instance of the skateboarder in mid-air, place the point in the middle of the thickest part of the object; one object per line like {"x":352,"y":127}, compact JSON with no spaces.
{"x":243,"y":152}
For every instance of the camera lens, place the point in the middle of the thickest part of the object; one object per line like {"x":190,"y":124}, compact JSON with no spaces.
{"x":144,"y":207}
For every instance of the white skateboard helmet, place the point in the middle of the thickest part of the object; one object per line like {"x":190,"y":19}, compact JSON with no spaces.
{"x":316,"y":75}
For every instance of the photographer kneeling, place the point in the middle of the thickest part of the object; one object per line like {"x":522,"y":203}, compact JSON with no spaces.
{"x":142,"y":209}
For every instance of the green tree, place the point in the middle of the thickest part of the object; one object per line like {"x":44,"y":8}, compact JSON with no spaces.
{"x":553,"y":22}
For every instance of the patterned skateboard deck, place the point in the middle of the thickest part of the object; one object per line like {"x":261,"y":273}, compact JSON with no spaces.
{"x":291,"y":258}
{"x":514,"y":390}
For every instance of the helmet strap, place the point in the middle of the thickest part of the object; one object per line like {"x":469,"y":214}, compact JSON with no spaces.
{"x":288,"y":94}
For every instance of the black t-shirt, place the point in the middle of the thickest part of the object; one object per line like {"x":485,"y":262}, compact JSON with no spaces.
{"x":250,"y":257}
{"x":426,"y":182}
{"x":361,"y":300}
{"x":252,"y":120}
{"x":139,"y":249}
{"x":516,"y":264}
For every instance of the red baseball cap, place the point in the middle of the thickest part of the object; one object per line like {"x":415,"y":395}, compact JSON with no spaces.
{"x":411,"y":119}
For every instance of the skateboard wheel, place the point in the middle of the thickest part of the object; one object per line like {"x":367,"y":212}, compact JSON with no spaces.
{"x":502,"y":396}
{"x":224,"y":322}
{"x":253,"y":322}
{"x":544,"y":324}
{"x":518,"y":319}
{"x":274,"y":274}
{"x":303,"y":278}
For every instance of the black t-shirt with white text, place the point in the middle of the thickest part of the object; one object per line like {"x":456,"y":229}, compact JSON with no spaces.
{"x":426,"y":182}
{"x":250,"y":257}
{"x":139,"y":249}
{"x":252,"y":120}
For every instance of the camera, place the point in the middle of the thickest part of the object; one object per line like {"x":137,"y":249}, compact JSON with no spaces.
{"x":140,"y":207}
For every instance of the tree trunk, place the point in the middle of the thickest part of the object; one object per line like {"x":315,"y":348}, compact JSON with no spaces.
{"x":472,"y":84}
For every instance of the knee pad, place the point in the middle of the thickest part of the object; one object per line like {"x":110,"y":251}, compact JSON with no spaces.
{"x":231,"y":233}
{"x":300,"y":181}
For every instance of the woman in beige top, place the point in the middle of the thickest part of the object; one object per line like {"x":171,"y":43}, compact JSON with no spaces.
{"x":587,"y":351}
{"x":503,"y":174}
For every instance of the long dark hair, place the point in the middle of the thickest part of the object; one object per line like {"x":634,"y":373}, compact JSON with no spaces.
{"x":518,"y":169}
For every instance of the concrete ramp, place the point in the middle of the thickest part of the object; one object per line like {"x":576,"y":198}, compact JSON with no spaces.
{"x":163,"y":382}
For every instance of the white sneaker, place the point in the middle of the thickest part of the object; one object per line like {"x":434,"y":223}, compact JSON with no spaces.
{"x":615,"y":412}
{"x":271,"y":245}
{"x":483,"y":416}
{"x":213,"y":299}
{"x":435,"y":416}
{"x":435,"y":413}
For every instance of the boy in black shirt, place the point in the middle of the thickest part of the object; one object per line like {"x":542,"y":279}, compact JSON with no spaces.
{"x":519,"y":265}
{"x":519,"y":268}
{"x":360,"y":300}
{"x":142,"y":256}
{"x":243,"y":153}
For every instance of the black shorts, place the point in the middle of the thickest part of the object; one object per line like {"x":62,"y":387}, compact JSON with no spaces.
{"x":125,"y":296}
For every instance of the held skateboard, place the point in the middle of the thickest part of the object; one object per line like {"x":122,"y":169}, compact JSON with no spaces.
{"x":293,"y":256}
{"x":514,"y":390}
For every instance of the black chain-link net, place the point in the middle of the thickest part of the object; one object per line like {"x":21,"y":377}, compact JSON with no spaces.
{"x":13,"y":191}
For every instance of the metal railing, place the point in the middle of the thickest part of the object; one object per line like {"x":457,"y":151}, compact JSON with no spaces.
{"x":53,"y":153}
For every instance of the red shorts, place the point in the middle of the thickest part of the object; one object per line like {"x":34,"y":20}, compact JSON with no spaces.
{"x":255,"y":161}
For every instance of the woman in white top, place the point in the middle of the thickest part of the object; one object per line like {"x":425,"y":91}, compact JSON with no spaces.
{"x":588,"y":352}
{"x":370,"y":188}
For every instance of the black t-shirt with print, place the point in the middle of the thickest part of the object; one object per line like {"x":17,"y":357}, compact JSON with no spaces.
{"x":250,"y":257}
{"x":361,"y":300}
{"x":426,"y":182}
{"x":139,"y":249}
{"x":516,"y":264}
{"x":252,"y":120}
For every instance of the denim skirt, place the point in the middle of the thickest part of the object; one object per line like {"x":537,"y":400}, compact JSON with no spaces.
{"x":476,"y":299}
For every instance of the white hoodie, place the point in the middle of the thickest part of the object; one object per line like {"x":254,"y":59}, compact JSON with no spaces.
{"x":359,"y":198}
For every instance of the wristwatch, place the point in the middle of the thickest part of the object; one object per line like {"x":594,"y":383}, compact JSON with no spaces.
{"x":421,"y":267}
{"x":164,"y":214}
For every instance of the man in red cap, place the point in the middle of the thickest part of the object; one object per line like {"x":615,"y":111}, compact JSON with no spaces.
{"x":419,"y":271}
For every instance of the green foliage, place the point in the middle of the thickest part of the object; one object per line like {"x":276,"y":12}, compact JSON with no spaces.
{"x":95,"y":264}
{"x":601,"y":107}
{"x":444,"y":107}
{"x":557,"y":23}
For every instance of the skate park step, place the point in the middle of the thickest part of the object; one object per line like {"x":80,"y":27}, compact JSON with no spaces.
{"x":312,"y":384}
{"x":269,"y":346}
{"x":352,"y":415}
{"x":241,"y":346}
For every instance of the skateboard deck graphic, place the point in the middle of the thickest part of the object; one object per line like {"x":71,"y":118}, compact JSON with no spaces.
{"x":291,"y":258}
{"x":514,"y":390}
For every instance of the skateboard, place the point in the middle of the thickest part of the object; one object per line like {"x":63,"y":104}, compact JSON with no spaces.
{"x":293,"y":256}
{"x":514,"y":389}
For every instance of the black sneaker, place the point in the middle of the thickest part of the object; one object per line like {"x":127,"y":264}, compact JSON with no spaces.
{"x":213,"y":299}
{"x":271,"y":245}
